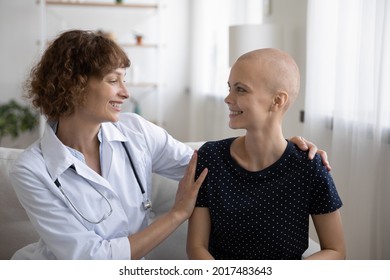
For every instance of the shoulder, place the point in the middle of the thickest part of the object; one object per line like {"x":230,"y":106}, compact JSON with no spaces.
{"x":134,"y":127}
{"x":303,"y":156}
{"x":134,"y":121}
{"x":145,"y":135}
{"x":217,"y":145}
{"x":31,"y":156}
{"x":29,"y":165}
{"x":214,"y":151}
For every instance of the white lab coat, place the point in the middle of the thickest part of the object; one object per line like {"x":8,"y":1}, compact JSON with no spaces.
{"x":64,"y":233}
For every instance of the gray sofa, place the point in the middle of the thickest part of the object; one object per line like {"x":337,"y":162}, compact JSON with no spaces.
{"x":16,"y":230}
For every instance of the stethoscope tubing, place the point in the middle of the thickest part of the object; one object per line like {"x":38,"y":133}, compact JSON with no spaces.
{"x":105,"y":216}
{"x":146,"y":202}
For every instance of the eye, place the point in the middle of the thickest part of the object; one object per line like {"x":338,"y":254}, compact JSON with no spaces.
{"x":240,"y":89}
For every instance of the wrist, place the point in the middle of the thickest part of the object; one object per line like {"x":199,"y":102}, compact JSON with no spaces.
{"x":177,"y":217}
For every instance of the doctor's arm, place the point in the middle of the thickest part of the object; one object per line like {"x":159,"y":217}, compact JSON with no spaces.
{"x":146,"y":240}
{"x":330,"y":233}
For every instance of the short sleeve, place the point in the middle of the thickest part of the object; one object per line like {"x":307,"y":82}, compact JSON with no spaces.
{"x":324,"y":196}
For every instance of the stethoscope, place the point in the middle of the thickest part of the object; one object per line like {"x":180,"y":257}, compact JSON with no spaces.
{"x":147,"y":204}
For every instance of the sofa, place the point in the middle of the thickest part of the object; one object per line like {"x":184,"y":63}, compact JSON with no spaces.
{"x":16,"y":230}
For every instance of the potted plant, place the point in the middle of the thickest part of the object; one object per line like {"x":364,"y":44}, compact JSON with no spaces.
{"x":16,"y":119}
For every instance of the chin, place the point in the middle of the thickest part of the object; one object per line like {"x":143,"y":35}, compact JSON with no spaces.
{"x":233,"y":126}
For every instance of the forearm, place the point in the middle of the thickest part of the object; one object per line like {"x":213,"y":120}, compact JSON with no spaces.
{"x":330,"y":233}
{"x":146,"y":240}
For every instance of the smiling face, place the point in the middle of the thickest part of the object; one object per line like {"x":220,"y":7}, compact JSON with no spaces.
{"x":104,"y":97}
{"x":262,"y":85}
{"x":249,"y":98}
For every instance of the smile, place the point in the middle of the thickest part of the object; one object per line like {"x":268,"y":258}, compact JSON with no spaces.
{"x":235,"y":113}
{"x":115,"y":105}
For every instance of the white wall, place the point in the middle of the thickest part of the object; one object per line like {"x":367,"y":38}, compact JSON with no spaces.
{"x":291,"y":15}
{"x":19,"y":33}
{"x":175,"y":97}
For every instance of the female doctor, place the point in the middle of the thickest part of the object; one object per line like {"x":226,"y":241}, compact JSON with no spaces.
{"x":86,"y":183}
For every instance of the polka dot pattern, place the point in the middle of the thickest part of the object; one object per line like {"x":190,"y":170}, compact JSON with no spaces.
{"x":264,"y":214}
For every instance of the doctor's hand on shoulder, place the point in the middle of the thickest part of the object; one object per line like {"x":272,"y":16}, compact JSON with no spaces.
{"x":187,"y":192}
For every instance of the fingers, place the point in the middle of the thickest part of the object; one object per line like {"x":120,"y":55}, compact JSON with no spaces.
{"x":312,"y":148}
{"x":300,"y":142}
{"x":190,"y":173}
{"x":304,"y":145}
{"x":192,"y":169}
{"x":304,"y":142}
{"x":201,"y":178}
{"x":324,"y":158}
{"x":188,"y":189}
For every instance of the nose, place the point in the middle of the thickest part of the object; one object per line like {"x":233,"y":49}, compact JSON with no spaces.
{"x":124,"y":93}
{"x":228,"y":98}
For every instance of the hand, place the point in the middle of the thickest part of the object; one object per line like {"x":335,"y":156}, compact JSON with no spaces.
{"x":188,"y":189}
{"x":305,"y":145}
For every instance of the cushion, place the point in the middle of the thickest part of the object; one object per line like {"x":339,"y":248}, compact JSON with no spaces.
{"x":16,"y":230}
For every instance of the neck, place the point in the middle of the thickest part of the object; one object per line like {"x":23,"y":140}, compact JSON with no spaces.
{"x":77,"y":134}
{"x":257,"y":151}
{"x":82,"y":137}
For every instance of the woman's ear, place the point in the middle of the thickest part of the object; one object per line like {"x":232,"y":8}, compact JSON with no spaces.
{"x":280,"y":100}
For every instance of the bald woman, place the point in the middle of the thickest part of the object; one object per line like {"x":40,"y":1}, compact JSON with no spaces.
{"x":261,"y":189}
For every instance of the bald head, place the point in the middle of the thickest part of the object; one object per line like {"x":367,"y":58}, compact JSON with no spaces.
{"x":276,"y":69}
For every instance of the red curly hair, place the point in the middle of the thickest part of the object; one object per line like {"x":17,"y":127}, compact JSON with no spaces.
{"x":57,"y":83}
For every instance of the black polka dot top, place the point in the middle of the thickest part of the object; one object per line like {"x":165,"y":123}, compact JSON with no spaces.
{"x":264,"y":214}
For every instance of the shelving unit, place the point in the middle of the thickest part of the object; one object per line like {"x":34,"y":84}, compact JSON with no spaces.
{"x":146,"y":89}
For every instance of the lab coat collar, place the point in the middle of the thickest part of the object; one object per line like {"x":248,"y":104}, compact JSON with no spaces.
{"x":111,"y":132}
{"x":58,"y":158}
{"x":55,"y":154}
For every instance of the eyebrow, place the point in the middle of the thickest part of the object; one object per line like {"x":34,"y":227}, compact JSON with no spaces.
{"x":238,"y":84}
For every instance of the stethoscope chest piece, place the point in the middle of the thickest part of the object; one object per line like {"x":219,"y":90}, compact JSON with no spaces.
{"x":147,"y":204}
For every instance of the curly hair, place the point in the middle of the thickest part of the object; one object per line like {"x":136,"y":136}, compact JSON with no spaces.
{"x":57,"y":83}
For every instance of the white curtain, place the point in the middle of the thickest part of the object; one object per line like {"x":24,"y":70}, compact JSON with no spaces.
{"x":348,"y":113}
{"x":210,"y":21}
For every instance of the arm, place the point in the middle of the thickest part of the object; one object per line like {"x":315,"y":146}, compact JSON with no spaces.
{"x":330,"y":233}
{"x":144,"y":241}
{"x":304,"y":145}
{"x":198,"y":234}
